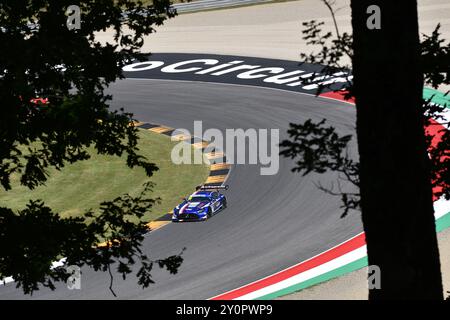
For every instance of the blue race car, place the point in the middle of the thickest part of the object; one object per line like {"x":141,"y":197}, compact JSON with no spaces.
{"x":200,"y":205}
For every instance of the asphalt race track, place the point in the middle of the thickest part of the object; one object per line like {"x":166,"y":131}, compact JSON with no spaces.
{"x":271,"y":222}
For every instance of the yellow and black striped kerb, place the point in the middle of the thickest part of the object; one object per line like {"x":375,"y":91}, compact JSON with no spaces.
{"x":219,"y":169}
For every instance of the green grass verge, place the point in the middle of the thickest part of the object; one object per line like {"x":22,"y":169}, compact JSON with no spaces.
{"x":85,"y":184}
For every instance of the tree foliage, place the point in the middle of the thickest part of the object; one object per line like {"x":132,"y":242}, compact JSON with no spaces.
{"x":319,"y":148}
{"x":42,"y":57}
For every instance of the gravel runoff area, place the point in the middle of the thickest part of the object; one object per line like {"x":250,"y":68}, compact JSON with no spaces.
{"x":274,"y":31}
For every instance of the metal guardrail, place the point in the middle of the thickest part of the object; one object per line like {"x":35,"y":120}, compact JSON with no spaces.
{"x":213,"y":4}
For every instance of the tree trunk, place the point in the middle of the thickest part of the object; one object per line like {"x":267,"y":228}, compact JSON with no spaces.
{"x":396,"y":194}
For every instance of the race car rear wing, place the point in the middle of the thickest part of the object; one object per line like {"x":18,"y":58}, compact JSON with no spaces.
{"x":225,"y":187}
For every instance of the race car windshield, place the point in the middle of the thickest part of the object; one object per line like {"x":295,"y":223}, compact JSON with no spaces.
{"x":198,"y":199}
